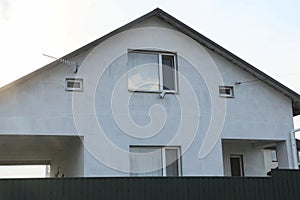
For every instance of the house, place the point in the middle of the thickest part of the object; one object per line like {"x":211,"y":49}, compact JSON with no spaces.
{"x":152,"y":98}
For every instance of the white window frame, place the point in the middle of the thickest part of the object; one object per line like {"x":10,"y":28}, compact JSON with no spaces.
{"x":163,"y":156}
{"x":164,"y":159}
{"x":160,"y":71}
{"x":230,"y":88}
{"x":77,"y":80}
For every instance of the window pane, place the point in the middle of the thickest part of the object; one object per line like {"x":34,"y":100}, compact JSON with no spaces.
{"x":146,"y":161}
{"x":73,"y":84}
{"x":274,"y":155}
{"x":226,"y":90}
{"x":172,"y":162}
{"x":143,"y":73}
{"x":168,"y":72}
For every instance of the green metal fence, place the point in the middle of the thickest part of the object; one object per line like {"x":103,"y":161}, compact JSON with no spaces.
{"x":282,"y":185}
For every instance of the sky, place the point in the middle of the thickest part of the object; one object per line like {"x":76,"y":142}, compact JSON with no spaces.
{"x":23,"y":171}
{"x":264,"y":33}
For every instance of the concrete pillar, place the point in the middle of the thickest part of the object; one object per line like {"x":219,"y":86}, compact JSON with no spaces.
{"x":284,"y":154}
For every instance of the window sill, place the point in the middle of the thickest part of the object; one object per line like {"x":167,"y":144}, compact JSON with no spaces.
{"x":226,"y":96}
{"x":73,"y":90}
{"x":156,"y":92}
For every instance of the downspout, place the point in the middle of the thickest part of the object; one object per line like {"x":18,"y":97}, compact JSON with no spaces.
{"x":294,"y":148}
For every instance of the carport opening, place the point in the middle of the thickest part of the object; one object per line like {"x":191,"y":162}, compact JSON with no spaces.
{"x":25,"y":171}
{"x":28,"y":156}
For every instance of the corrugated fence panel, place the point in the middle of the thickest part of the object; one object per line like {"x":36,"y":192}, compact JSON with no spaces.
{"x":284,"y":184}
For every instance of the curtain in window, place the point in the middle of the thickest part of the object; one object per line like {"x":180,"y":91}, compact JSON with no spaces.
{"x":146,"y":161}
{"x":143,"y":74}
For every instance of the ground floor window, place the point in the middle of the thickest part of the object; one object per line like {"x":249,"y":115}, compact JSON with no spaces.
{"x":155,"y":161}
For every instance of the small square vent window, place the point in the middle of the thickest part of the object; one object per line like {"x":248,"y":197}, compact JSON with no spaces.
{"x":226,"y":91}
{"x":74,"y":84}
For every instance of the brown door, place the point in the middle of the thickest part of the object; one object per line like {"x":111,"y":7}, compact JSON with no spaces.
{"x":236,"y":164}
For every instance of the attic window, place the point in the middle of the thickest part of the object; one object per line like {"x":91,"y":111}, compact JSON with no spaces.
{"x":152,"y":71}
{"x":226,"y":91}
{"x":74,"y":84}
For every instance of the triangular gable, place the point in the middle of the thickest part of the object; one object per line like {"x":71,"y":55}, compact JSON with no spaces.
{"x":196,"y":36}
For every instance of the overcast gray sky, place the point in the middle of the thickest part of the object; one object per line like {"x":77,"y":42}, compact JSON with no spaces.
{"x":264,"y":33}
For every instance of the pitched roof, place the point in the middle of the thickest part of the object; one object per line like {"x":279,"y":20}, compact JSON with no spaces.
{"x":295,"y":97}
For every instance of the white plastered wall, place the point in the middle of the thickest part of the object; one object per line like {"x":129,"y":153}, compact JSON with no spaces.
{"x":41,"y":106}
{"x":253,"y":158}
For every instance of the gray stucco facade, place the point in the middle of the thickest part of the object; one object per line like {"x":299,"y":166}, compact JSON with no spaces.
{"x":90,"y":132}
